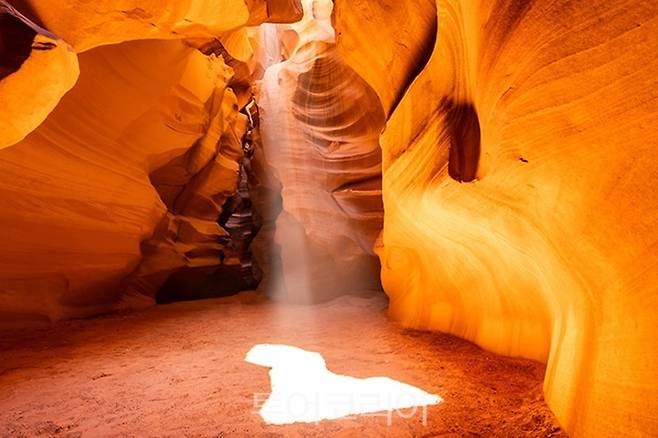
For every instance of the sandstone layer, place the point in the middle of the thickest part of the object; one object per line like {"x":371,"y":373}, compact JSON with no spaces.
{"x":518,"y":188}
{"x":126,"y":179}
{"x":320,"y":128}
{"x":513,"y":145}
{"x":36,"y":69}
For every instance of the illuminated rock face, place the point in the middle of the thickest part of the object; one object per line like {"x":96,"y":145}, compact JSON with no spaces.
{"x":320,"y":128}
{"x":86,"y":25}
{"x":550,"y":252}
{"x":125,"y":180}
{"x":398,"y":57}
{"x":518,"y":157}
{"x":39,"y":64}
{"x":36,"y":69}
{"x":77,"y":200}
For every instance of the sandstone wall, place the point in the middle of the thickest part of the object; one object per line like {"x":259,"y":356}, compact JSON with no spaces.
{"x":519,"y":170}
{"x":518,"y":153}
{"x":320,"y":129}
{"x":124,"y":181}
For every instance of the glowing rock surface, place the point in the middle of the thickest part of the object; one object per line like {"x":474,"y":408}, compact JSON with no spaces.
{"x":39,"y":63}
{"x":36,"y":70}
{"x":549,"y":253}
{"x":320,"y":128}
{"x":124,"y":181}
{"x":77,"y":200}
{"x":519,"y":165}
{"x":86,"y":24}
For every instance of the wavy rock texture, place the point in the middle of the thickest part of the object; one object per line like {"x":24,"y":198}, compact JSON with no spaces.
{"x":39,"y":66}
{"x":86,"y":25}
{"x":274,"y":11}
{"x":36,"y":70}
{"x":126,"y":179}
{"x":550,"y":252}
{"x":518,"y":166}
{"x":403,"y":32}
{"x":324,"y":150}
{"x":77,"y":200}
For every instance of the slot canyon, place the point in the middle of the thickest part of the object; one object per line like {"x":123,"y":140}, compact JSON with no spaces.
{"x":318,"y":218}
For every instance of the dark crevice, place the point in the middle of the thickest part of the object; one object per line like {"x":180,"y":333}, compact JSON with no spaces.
{"x":463,"y":127}
{"x":16,"y":39}
{"x":236,"y":268}
{"x":44,"y":46}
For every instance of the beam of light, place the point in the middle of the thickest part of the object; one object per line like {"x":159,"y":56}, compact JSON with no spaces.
{"x":304,"y":390}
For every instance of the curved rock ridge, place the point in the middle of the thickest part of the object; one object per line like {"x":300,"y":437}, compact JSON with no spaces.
{"x":550,"y":252}
{"x":86,"y":25}
{"x":320,"y":128}
{"x":401,"y":34}
{"x":36,"y":70}
{"x":39,"y":66}
{"x":513,"y":143}
{"x":126,"y":179}
{"x":77,"y":200}
{"x":274,"y":11}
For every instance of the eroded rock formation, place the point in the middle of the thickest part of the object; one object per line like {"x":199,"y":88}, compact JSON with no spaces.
{"x":124,"y":182}
{"x":517,"y":142}
{"x":36,"y":69}
{"x":550,"y":252}
{"x":324,"y":150}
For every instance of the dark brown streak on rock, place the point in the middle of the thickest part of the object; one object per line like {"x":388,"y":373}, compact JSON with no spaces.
{"x":279,"y":12}
{"x":44,"y":46}
{"x":215,"y":47}
{"x":463,"y":128}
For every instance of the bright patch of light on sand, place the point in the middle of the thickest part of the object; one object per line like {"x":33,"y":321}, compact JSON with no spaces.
{"x":304,"y":390}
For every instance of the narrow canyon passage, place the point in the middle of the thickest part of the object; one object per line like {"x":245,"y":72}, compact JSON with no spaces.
{"x":328,"y":218}
{"x":180,"y":370}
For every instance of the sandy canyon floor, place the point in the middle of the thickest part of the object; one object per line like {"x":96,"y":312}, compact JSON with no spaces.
{"x":179,"y":370}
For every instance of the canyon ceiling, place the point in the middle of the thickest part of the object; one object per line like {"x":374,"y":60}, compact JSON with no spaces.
{"x":498,"y":156}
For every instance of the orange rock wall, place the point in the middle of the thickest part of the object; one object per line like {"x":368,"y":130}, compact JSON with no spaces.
{"x":77,"y":200}
{"x":518,"y":156}
{"x":123,"y":182}
{"x":30,"y":55}
{"x":550,"y":110}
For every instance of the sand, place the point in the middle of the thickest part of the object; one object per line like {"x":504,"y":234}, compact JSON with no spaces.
{"x":179,"y":370}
